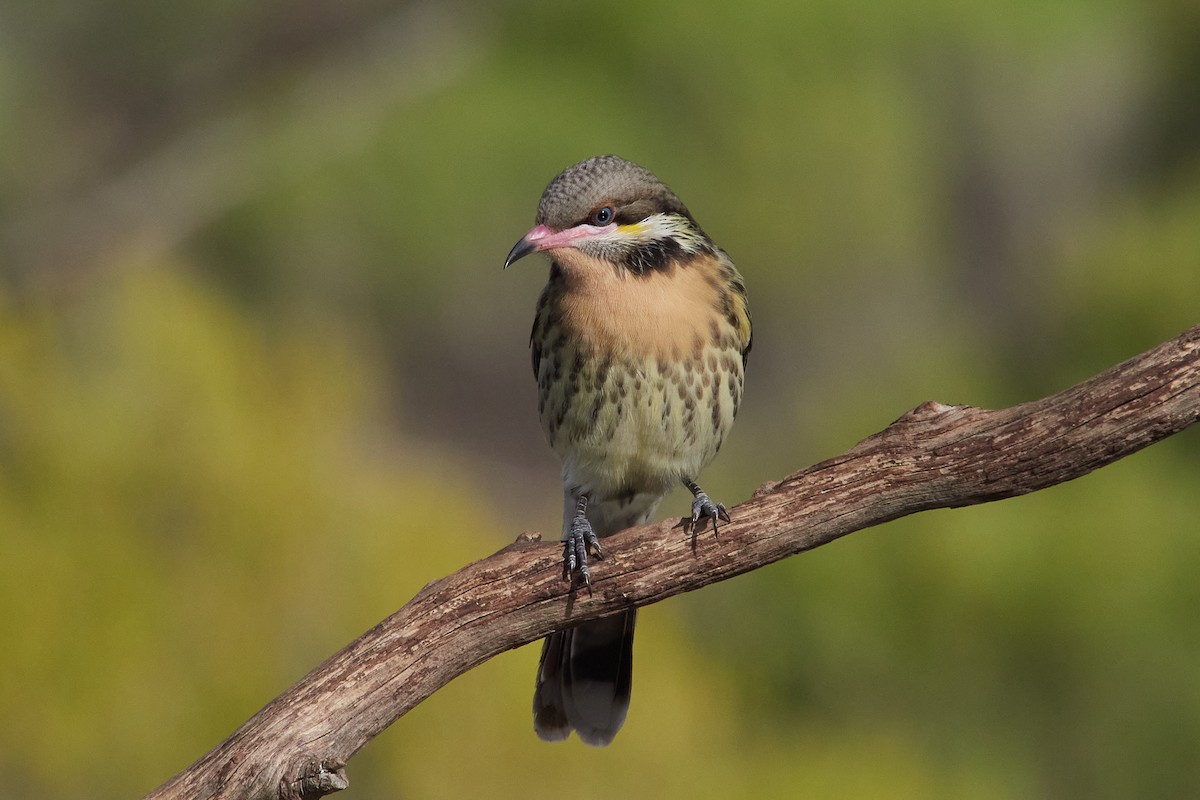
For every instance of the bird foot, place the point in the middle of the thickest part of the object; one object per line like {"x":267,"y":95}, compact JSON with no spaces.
{"x":703,"y":508}
{"x":578,"y":540}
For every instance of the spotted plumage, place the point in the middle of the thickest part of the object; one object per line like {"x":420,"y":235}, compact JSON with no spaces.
{"x":639,"y":348}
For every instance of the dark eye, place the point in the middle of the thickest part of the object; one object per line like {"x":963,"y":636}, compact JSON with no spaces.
{"x":603,"y":216}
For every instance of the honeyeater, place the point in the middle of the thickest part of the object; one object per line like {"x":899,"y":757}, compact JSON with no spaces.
{"x":639,"y":348}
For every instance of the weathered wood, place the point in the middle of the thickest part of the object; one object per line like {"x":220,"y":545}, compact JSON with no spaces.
{"x":935,"y":456}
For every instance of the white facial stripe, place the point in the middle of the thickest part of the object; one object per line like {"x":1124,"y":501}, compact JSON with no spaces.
{"x":661,"y":226}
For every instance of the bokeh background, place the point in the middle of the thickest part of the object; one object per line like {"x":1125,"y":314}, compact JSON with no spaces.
{"x":262,"y":377}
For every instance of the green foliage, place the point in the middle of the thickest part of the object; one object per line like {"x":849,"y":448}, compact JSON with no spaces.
{"x":261,"y":378}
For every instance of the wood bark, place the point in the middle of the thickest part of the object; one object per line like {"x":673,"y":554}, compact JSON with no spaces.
{"x":935,"y":456}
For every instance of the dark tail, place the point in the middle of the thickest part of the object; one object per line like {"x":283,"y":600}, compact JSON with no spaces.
{"x":583,"y":680}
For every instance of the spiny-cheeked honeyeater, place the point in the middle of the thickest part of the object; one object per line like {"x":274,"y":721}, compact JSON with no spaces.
{"x":639,"y":349}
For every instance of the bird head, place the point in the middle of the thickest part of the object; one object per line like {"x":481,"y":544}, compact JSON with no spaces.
{"x":615,"y":211}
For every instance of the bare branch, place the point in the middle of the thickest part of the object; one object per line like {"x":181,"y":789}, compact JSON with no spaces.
{"x":935,"y":456}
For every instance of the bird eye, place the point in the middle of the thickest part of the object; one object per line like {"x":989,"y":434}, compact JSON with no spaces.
{"x":603,"y":216}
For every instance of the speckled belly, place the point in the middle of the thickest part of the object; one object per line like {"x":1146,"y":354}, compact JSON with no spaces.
{"x":624,"y":425}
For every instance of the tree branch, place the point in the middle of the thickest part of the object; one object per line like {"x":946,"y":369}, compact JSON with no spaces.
{"x":935,"y":456}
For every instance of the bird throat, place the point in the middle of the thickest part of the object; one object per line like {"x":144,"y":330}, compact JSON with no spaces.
{"x":665,"y":313}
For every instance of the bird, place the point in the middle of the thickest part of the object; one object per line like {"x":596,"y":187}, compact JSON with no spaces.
{"x":639,"y":347}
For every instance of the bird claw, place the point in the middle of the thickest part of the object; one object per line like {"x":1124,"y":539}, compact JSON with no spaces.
{"x":579,"y":539}
{"x":704,"y":508}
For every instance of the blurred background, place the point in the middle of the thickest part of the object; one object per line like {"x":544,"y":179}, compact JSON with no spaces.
{"x":262,"y":378}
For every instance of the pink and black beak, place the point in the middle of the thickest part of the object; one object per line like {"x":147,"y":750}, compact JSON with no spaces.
{"x":544,"y":238}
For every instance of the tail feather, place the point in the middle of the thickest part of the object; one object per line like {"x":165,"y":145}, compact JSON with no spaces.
{"x":584,"y":680}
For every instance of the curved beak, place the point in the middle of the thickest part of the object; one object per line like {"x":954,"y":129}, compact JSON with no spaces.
{"x":522,"y":248}
{"x":543,"y":238}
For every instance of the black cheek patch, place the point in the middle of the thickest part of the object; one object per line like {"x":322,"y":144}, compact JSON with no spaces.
{"x":654,"y":256}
